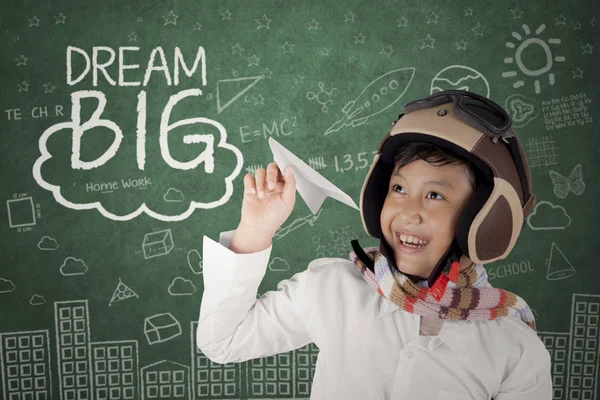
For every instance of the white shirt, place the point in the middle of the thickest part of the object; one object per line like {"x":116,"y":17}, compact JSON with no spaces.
{"x":369,"y":348}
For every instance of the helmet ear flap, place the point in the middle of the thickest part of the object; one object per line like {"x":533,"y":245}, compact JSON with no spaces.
{"x":468,"y":214}
{"x":495,"y":228}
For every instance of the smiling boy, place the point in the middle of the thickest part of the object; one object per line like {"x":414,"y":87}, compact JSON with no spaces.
{"x":422,"y":205}
{"x":450,"y":177}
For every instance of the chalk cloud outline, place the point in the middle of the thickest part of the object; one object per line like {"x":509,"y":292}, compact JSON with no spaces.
{"x":76,"y":265}
{"x":143,"y":208}
{"x":6,"y":286}
{"x":47,"y":243}
{"x":547,"y":208}
{"x":181,"y":287}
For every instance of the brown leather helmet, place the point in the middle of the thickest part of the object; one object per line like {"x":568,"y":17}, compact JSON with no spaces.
{"x":479,"y":130}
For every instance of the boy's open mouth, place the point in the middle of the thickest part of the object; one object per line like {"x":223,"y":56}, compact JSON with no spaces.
{"x":410,"y":242}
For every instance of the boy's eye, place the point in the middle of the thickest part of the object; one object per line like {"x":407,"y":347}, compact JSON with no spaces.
{"x":436,"y":193}
{"x":395,"y":186}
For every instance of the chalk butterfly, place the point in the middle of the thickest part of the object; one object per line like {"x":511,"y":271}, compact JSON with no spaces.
{"x":574,"y":182}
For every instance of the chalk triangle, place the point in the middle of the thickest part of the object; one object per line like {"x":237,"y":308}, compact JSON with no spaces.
{"x":237,"y":86}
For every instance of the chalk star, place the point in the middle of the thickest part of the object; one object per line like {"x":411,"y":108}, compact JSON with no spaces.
{"x":561,"y":20}
{"x":288,"y":48}
{"x":170,"y":18}
{"x":48,"y":88}
{"x":262,"y":100}
{"x":253,"y":60}
{"x":312,"y":24}
{"x":139,"y":19}
{"x":577,"y":26}
{"x":324,"y":52}
{"x":587,"y":49}
{"x":298,"y":79}
{"x":349,"y":16}
{"x":360,"y":38}
{"x":402,"y":21}
{"x":23,"y":86}
{"x":132,"y":37}
{"x":22,"y":60}
{"x":352,"y":59}
{"x":237,"y":49}
{"x":386,"y":53}
{"x":429,"y":39}
{"x":462,"y":45}
{"x":517,"y":14}
{"x":226,"y":15}
{"x":197,"y":26}
{"x":35,"y":21}
{"x":577,"y":73}
{"x":16,"y":38}
{"x":593,"y":21}
{"x":263,"y":19}
{"x":469,"y":12}
{"x":60,"y":19}
{"x":478,"y":29}
{"x":267,"y":73}
{"x":432,"y":18}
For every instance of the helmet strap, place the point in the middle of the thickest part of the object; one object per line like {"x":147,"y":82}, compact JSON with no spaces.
{"x":445,"y":270}
{"x":387,"y":251}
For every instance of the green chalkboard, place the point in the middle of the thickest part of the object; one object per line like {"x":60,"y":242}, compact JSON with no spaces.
{"x":127,"y":128}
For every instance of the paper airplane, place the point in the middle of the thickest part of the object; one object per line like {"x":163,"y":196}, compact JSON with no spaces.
{"x":311,"y":185}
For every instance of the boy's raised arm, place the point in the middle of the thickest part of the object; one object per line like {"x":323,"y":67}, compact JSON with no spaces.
{"x":234,"y":325}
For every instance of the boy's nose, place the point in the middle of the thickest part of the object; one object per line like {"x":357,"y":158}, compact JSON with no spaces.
{"x":411,"y":211}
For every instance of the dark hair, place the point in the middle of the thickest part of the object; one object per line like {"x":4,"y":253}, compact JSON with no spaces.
{"x":434,"y":155}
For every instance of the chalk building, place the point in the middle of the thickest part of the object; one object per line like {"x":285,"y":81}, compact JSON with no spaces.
{"x":25,"y":364}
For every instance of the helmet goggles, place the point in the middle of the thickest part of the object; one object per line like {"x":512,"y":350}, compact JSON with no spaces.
{"x":475,"y":110}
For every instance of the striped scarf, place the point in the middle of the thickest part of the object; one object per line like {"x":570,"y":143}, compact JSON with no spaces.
{"x":470,"y":298}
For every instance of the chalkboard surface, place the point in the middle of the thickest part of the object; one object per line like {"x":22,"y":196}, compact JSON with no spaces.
{"x":127,"y":128}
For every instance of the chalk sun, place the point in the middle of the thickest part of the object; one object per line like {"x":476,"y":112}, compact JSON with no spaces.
{"x":530,"y":45}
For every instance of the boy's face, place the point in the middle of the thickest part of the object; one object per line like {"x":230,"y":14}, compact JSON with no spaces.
{"x":427,"y":210}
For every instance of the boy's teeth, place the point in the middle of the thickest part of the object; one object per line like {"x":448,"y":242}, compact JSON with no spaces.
{"x":411,"y":239}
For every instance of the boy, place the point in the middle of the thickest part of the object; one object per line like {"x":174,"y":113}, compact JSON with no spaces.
{"x":448,"y":191}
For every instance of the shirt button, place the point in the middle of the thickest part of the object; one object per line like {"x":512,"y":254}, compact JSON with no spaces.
{"x":409,"y":354}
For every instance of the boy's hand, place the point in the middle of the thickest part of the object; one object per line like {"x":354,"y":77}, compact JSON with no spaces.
{"x":265,"y":214}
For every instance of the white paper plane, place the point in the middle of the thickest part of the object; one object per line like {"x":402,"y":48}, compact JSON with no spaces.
{"x":311,"y":185}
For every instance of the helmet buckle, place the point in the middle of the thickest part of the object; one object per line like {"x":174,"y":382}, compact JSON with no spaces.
{"x":439,"y":287}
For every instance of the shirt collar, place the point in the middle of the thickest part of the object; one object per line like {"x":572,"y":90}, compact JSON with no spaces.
{"x":386,"y":306}
{"x":455,"y":334}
